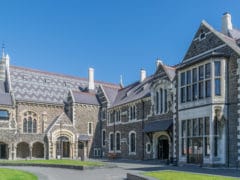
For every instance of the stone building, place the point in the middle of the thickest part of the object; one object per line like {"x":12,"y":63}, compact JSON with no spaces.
{"x":139,"y":121}
{"x":188,"y":112}
{"x":47,"y":115}
{"x":208,"y":125}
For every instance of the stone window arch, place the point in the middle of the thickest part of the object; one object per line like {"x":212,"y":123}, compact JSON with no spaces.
{"x":29,"y":122}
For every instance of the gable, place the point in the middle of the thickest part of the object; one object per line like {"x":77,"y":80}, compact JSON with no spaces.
{"x":161,"y":73}
{"x":203,"y":41}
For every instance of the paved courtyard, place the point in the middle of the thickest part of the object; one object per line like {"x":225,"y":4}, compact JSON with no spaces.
{"x":119,"y":171}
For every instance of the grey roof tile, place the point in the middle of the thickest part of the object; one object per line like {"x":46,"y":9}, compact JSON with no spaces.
{"x":85,"y":98}
{"x":38,"y":86}
{"x":6,"y":99}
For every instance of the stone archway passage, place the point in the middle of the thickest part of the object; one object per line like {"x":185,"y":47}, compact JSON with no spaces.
{"x":3,"y":150}
{"x":38,"y":150}
{"x":23,"y":150}
{"x":63,"y":147}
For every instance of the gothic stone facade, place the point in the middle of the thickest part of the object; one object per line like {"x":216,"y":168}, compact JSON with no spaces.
{"x":189,"y":112}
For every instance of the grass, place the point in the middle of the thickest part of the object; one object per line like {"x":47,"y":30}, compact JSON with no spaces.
{"x":11,"y":174}
{"x":177,"y":175}
{"x":54,"y":161}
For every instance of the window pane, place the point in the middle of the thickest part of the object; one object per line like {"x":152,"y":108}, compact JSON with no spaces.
{"x":208,"y":70}
{"x":200,"y":126}
{"x":29,"y":125}
{"x":165,"y":100}
{"x":207,"y":146}
{"x":189,"y":77}
{"x":184,"y":146}
{"x":157,"y":102}
{"x":183,"y":81}
{"x":103,"y":138}
{"x":183,"y":94}
{"x":200,"y":72}
{"x":206,"y":132}
{"x":133,"y":148}
{"x":194,"y":91}
{"x":161,"y":100}
{"x":217,"y":65}
{"x":208,"y":88}
{"x":217,"y":87}
{"x":118,"y":141}
{"x":189,"y":93}
{"x":189,"y":127}
{"x":34,"y":126}
{"x":4,"y":115}
{"x":111,"y":142}
{"x":184,"y":129}
{"x":194,"y":76}
{"x":200,"y":92}
{"x":195,"y":127}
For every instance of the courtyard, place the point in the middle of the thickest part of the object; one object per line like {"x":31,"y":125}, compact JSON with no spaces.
{"x":118,"y":169}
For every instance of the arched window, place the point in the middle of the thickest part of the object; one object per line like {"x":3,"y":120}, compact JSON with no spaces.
{"x":30,"y":122}
{"x":132,"y":142}
{"x":118,"y":141}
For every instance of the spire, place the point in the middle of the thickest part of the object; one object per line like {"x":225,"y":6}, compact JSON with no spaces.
{"x":3,"y":51}
{"x":121,"y":82}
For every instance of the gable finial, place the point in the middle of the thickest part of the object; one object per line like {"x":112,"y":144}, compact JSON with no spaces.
{"x":3,"y":50}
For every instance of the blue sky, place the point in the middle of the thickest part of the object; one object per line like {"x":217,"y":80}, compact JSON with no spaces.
{"x":115,"y":37}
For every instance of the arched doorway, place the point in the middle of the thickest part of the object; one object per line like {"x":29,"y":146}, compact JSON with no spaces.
{"x":38,"y":150}
{"x":163,"y":147}
{"x":3,"y":150}
{"x":63,"y":147}
{"x":23,"y":150}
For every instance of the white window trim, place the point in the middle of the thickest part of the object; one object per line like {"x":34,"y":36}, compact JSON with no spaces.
{"x":91,"y":128}
{"x":129,"y":144}
{"x":109,"y":144}
{"x":129,"y":115}
{"x":116,"y":141}
{"x":148,"y":152}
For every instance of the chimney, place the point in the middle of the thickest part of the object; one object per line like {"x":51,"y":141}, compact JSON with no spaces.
{"x":143,"y":75}
{"x":91,"y":79}
{"x":226,"y":23}
{"x":158,"y":62}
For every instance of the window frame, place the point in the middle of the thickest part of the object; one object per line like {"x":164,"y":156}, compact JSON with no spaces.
{"x":4,"y":117}
{"x":131,"y":152}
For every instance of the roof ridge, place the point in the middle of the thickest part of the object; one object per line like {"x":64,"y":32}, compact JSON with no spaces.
{"x":108,"y":84}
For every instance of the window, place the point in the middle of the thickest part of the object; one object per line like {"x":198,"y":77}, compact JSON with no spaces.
{"x":132,"y":142}
{"x":118,"y":141}
{"x":4,"y":115}
{"x":183,"y":80}
{"x":208,"y":88}
{"x":90,"y":128}
{"x":194,"y":86}
{"x":118,"y":116}
{"x":157,"y":102}
{"x":200,"y":84}
{"x":165,"y":101}
{"x":161,"y":100}
{"x":183,"y":94}
{"x":148,"y":148}
{"x":132,"y":112}
{"x":103,"y":137}
{"x":30,"y":122}
{"x":189,"y":90}
{"x":217,"y":68}
{"x":184,"y":137}
{"x":111,"y":140}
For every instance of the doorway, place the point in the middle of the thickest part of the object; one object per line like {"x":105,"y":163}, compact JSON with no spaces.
{"x":3,"y":150}
{"x":163,"y":148}
{"x":63,"y":147}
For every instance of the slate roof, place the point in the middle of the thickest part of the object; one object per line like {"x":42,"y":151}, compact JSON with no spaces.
{"x":6,"y":99}
{"x":38,"y":86}
{"x":111,"y":93}
{"x":139,"y":89}
{"x":85,"y":98}
{"x":234,"y":33}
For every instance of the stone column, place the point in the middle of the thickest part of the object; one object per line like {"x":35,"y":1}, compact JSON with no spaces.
{"x":238,"y":126}
{"x":30,"y":148}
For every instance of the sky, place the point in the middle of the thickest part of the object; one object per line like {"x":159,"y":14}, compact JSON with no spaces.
{"x":115,"y":37}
